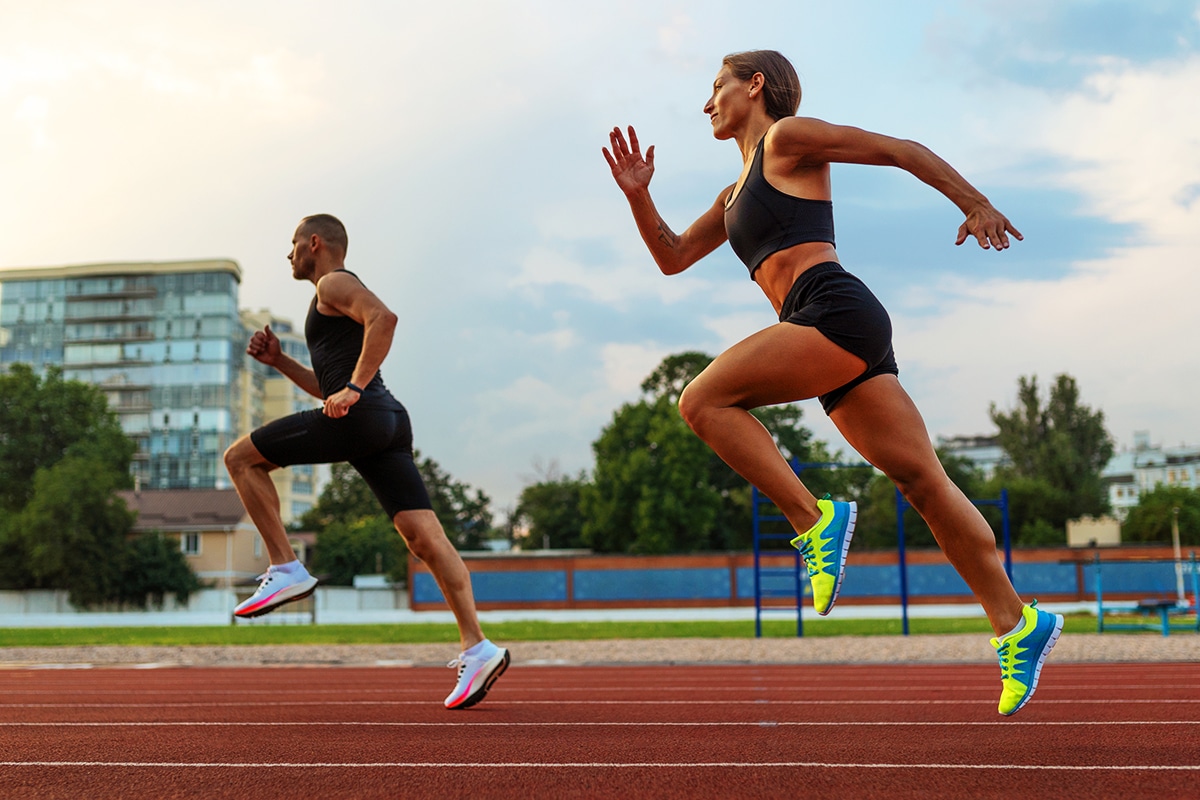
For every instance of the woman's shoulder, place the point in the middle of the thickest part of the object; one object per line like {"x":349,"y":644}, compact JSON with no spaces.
{"x":794,"y":131}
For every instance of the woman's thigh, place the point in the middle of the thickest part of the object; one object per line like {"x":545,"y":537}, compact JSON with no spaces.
{"x":882,"y":423}
{"x":782,"y":364}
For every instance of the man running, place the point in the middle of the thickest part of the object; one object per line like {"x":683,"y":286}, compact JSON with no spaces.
{"x":349,"y":333}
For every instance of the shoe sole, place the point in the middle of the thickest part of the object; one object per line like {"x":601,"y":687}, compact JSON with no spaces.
{"x":487,"y":684}
{"x":1037,"y":670}
{"x":258,"y":612}
{"x":837,"y":585}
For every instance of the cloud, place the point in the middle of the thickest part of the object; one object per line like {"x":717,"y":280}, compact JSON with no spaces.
{"x":1134,"y":143}
{"x":1121,"y":321}
{"x":1060,"y":46}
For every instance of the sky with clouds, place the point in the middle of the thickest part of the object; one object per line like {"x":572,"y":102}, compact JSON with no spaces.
{"x":460,"y":143}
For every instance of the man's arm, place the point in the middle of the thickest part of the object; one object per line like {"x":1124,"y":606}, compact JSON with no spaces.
{"x":264,"y":347}
{"x":344,"y":294}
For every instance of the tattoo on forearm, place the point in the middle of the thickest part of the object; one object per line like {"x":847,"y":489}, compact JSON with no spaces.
{"x":666,"y":236}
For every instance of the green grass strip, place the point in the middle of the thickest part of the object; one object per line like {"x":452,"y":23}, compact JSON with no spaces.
{"x":525,"y":631}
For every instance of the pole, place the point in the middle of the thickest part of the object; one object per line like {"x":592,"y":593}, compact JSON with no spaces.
{"x":1182,"y":599}
{"x":757,"y":567}
{"x":1007,"y":533}
{"x":901,"y":504}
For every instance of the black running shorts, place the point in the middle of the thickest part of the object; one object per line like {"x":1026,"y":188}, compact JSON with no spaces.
{"x":377,"y":442}
{"x":844,"y":310}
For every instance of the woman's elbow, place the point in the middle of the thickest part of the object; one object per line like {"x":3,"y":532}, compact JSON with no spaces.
{"x":674,"y":263}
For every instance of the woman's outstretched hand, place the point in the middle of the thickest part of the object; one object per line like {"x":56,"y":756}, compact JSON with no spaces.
{"x":631,"y":171}
{"x":989,"y":227}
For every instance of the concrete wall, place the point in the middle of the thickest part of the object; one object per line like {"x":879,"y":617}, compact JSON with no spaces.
{"x":37,"y":608}
{"x":531,"y":581}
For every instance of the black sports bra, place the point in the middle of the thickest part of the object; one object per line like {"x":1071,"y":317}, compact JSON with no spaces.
{"x":762,"y":220}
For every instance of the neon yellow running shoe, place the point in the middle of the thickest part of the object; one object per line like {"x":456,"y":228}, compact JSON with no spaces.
{"x":824,"y":547}
{"x":1022,"y":654}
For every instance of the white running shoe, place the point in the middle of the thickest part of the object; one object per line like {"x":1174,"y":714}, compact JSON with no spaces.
{"x":476,"y":674}
{"x":276,"y":589}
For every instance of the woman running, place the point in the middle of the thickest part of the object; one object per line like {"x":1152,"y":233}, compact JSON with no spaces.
{"x":833,"y":340}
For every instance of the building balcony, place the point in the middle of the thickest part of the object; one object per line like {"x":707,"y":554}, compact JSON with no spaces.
{"x":119,"y":294}
{"x":137,"y":336}
{"x":123,"y":316}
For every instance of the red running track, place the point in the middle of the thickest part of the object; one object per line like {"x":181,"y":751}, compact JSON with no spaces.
{"x":1093,"y":730}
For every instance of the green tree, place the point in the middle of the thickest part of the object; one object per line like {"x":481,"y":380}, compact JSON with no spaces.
{"x":63,"y":456}
{"x":1151,"y":519}
{"x":1063,"y":445}
{"x":154,"y":567}
{"x":551,"y":512}
{"x":72,"y":532}
{"x":354,"y":535}
{"x":649,"y":494}
{"x":364,"y":546}
{"x":1038,"y":510}
{"x":346,"y":498}
{"x":43,"y":420}
{"x":464,"y":511}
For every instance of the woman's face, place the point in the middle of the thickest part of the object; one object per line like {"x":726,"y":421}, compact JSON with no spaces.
{"x":729,"y":103}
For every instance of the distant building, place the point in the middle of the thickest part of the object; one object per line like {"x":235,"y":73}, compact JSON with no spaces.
{"x":1130,"y":473}
{"x":162,"y":341}
{"x":166,"y":344}
{"x":982,"y":451}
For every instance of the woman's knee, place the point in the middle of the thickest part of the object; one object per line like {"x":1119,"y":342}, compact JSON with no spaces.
{"x":693,"y":407}
{"x":924,"y":487}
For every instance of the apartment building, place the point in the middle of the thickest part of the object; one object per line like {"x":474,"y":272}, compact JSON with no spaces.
{"x":162,"y":341}
{"x":166,"y":343}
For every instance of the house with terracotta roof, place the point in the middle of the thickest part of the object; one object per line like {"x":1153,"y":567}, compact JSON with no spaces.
{"x":214,"y":532}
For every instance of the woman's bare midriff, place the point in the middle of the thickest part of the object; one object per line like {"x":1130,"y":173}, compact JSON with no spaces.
{"x":776,"y":275}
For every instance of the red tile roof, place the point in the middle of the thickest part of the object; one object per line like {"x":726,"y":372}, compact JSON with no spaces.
{"x":184,"y":509}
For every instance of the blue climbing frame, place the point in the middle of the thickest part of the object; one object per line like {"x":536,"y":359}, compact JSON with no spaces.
{"x":785,"y":582}
{"x":789,"y":582}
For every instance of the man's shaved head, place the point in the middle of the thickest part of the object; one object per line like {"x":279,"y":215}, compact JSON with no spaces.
{"x":328,"y":227}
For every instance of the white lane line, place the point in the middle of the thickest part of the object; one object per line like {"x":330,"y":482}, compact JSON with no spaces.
{"x":593,"y":724}
{"x":493,"y":703}
{"x":602,"y":765}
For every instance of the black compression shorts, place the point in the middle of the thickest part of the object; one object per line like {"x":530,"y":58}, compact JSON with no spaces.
{"x":844,"y":310}
{"x":376,"y":441}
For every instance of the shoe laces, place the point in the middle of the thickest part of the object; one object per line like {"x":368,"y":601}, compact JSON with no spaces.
{"x":460,"y":662}
{"x":1008,"y":664}
{"x":810,"y":558}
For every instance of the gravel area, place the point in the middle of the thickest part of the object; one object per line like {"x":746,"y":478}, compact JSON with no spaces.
{"x":944,"y":649}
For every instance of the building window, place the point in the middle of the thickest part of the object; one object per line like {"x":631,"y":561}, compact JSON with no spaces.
{"x":189,"y":543}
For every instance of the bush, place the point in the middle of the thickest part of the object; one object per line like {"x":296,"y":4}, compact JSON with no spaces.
{"x":154,"y":567}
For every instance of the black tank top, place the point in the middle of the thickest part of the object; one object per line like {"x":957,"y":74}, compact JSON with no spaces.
{"x":762,"y":220}
{"x":334,"y":345}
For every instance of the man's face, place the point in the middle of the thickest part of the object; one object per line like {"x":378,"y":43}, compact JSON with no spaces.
{"x":302,"y":258}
